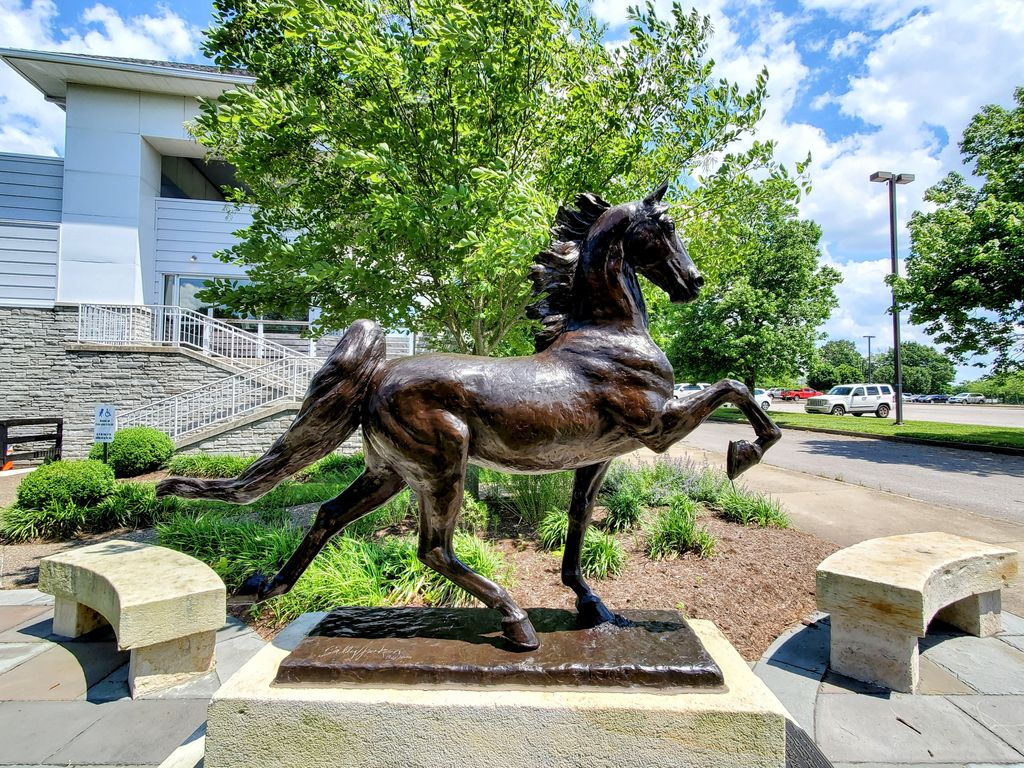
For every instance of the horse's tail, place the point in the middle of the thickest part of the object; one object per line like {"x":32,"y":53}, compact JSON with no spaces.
{"x":329,"y":414}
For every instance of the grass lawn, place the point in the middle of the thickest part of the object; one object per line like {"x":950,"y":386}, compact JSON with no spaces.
{"x":868,"y":424}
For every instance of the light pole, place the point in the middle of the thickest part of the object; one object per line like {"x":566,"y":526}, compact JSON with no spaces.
{"x":892,"y":179}
{"x":869,"y":338}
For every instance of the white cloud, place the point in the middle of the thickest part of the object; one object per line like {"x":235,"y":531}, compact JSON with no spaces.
{"x":847,"y":46}
{"x":30,"y":125}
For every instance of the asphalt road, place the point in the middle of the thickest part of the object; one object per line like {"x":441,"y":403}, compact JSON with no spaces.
{"x":985,"y":483}
{"x":991,"y":415}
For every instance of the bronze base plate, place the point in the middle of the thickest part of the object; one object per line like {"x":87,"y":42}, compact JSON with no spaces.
{"x":464,"y":647}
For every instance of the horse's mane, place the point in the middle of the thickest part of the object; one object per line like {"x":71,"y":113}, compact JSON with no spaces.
{"x":554,"y":268}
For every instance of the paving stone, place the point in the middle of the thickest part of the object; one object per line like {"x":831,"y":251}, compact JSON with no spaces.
{"x":12,"y":616}
{"x":1003,"y":715}
{"x":806,"y":648}
{"x":134,"y":733}
{"x":1017,"y":641}
{"x":987,"y":664}
{"x":113,"y":687}
{"x":904,"y":729}
{"x":231,"y":655}
{"x":833,"y":682}
{"x":13,"y":654}
{"x":233,"y":627}
{"x":1012,"y":624}
{"x":34,"y":730}
{"x":937,"y":681}
{"x":38,"y":630}
{"x":61,"y":673}
{"x":796,"y":688}
{"x":21,"y":596}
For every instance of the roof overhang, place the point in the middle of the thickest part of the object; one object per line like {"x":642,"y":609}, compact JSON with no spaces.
{"x":52,"y":72}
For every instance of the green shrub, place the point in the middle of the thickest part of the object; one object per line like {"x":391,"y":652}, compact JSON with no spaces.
{"x":625,"y":506}
{"x":57,"y":519}
{"x":664,"y":478}
{"x":395,"y":512}
{"x":532,"y":496}
{"x":207,"y":466}
{"x":675,"y":531}
{"x":132,"y":505}
{"x":136,"y":450}
{"x":553,"y":529}
{"x":743,"y":507}
{"x":333,"y":464}
{"x":234,"y":549}
{"x":474,"y":516}
{"x":602,"y":556}
{"x":84,"y":483}
{"x":707,"y":486}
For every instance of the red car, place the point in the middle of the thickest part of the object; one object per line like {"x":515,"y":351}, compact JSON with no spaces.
{"x":800,"y":394}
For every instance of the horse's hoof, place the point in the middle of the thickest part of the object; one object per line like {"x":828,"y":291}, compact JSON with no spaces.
{"x":740,"y":457}
{"x":593,"y":612}
{"x":261,"y":587}
{"x":519,"y":634}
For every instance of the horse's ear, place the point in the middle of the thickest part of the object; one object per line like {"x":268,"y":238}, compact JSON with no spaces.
{"x":655,"y":197}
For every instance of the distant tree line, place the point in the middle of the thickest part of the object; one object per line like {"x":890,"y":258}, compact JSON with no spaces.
{"x":925,"y":369}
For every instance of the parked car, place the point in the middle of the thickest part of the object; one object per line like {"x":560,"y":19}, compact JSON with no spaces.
{"x":800,"y":394}
{"x":764,"y":398}
{"x":934,"y":399}
{"x":775,"y":392}
{"x":908,"y":398}
{"x":967,"y":397}
{"x":685,"y":390}
{"x":857,"y":399}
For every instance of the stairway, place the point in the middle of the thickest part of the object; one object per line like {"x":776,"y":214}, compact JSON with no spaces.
{"x":268,"y":377}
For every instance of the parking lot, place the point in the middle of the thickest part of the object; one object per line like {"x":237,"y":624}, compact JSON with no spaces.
{"x":989,"y":415}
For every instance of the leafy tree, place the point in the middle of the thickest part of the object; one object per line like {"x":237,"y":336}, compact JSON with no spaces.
{"x":925,"y":369}
{"x":965,"y":273}
{"x":835,"y":362}
{"x":760,"y":320}
{"x":1006,"y":387}
{"x":406,"y":156}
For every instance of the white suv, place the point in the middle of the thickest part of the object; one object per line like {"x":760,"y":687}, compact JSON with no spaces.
{"x":857,"y":399}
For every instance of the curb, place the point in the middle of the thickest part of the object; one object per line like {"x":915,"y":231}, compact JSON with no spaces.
{"x":1001,"y":449}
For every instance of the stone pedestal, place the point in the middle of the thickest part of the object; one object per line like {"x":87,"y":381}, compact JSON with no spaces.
{"x":255,"y":723}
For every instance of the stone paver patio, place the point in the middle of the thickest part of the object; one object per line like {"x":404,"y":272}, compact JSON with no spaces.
{"x":66,"y":703}
{"x":970,"y":711}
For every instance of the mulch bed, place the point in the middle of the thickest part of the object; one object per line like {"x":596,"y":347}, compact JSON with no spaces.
{"x":759,"y":582}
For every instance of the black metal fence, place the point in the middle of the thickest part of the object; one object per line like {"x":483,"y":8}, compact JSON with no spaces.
{"x":13,"y":433}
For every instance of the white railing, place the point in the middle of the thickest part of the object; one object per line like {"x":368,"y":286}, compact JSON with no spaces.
{"x":226,"y":400}
{"x":163,"y":325}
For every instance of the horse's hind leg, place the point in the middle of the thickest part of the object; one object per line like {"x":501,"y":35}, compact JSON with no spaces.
{"x":440,"y":501}
{"x":584,"y":493}
{"x":367,"y":492}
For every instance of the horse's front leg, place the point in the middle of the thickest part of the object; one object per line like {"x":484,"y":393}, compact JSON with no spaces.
{"x":680,"y":417}
{"x":584,"y":492}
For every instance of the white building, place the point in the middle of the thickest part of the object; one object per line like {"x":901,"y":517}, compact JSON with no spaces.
{"x":101,"y":253}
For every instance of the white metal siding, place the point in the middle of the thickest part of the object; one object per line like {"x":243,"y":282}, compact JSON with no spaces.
{"x":187,"y":228}
{"x":31,"y":188}
{"x":28,"y":264}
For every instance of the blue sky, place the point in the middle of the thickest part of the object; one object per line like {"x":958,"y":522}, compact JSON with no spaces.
{"x":863,"y":85}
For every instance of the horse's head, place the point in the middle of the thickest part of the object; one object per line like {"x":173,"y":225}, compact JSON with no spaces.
{"x":655,"y":251}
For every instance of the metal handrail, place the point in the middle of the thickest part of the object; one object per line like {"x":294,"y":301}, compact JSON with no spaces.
{"x":226,"y":399}
{"x":166,"y":325}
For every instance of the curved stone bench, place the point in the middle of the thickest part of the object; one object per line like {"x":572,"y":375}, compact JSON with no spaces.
{"x":164,"y":606}
{"x":883,"y":593}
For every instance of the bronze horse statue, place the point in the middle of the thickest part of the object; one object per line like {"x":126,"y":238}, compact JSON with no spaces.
{"x":598,"y":387}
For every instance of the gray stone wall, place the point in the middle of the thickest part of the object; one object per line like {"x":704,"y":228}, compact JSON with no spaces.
{"x":43,"y":372}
